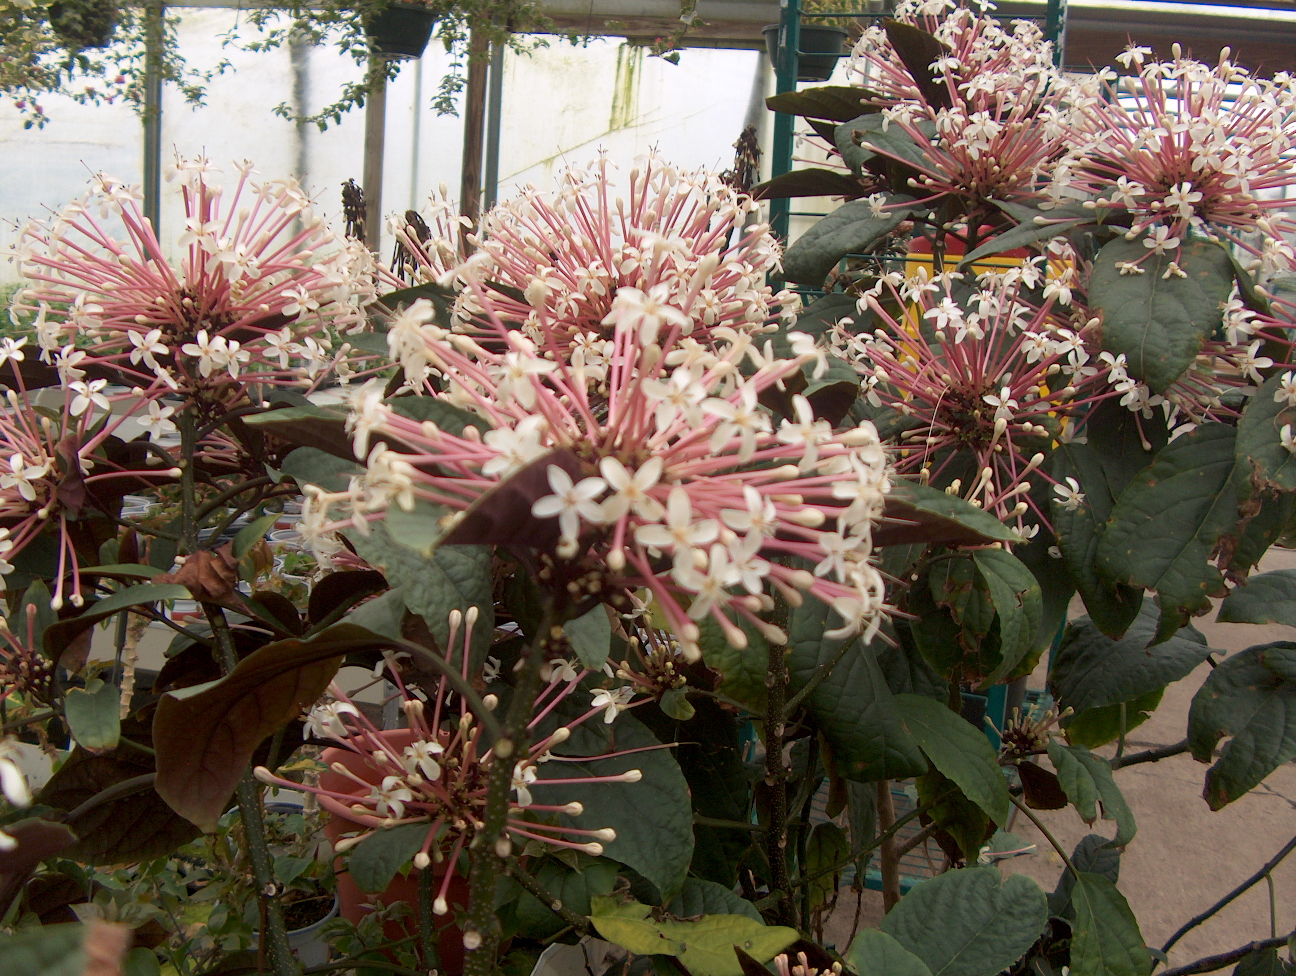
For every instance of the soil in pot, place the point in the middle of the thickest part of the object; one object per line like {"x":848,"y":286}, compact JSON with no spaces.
{"x":307,"y":911}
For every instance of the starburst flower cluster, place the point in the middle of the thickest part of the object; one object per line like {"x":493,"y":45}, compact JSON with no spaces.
{"x":992,"y":123}
{"x":56,"y":466}
{"x":669,"y":474}
{"x":435,"y":771}
{"x":262,"y":286}
{"x":983,"y":386}
{"x":1187,"y":147}
{"x":673,"y":242}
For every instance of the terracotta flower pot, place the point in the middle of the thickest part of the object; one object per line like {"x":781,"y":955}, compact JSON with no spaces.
{"x":354,"y":902}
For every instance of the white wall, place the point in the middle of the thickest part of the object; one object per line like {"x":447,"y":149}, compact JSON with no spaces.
{"x":561,"y":104}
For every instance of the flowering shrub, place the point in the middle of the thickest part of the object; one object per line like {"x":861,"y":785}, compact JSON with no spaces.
{"x":598,"y":494}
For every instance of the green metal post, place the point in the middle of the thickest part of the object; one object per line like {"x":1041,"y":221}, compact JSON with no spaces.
{"x":781,"y":157}
{"x":154,"y":41}
{"x":1055,"y":29}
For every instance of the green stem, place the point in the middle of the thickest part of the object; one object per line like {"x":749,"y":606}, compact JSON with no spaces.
{"x":543,"y":895}
{"x":776,"y":837}
{"x":1246,"y":885}
{"x":1047,"y":834}
{"x":427,"y":935}
{"x":1225,"y":959}
{"x":18,"y":723}
{"x":250,"y":812}
{"x":817,"y":678}
{"x":491,"y":845}
{"x":1151,"y":755}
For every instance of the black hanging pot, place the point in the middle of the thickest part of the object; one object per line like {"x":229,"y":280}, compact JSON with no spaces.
{"x":81,"y":24}
{"x":820,"y":48}
{"x":401,"y":31}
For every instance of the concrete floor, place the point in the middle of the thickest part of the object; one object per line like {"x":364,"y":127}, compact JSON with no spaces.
{"x":1185,"y":857}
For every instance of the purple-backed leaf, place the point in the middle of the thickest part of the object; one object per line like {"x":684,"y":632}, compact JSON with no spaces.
{"x":205,"y":735}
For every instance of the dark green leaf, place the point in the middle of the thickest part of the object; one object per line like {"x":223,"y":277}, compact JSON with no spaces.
{"x":837,"y":103}
{"x":382,"y":615}
{"x":142,"y":594}
{"x":1105,"y":937}
{"x":809,"y":183}
{"x":93,"y":715}
{"x":743,"y":668}
{"x":826,"y":849}
{"x":321,"y":428}
{"x":574,"y":888}
{"x":893,"y":141}
{"x":447,"y":417}
{"x":288,"y":869}
{"x":37,"y":595}
{"x":252,"y":533}
{"x":699,"y":897}
{"x":1269,"y":598}
{"x":674,"y":702}
{"x":853,"y":708}
{"x":1099,"y":726}
{"x":1266,"y":962}
{"x":1018,"y":606}
{"x":1079,"y":530}
{"x":1251,"y":696}
{"x":1159,"y":323}
{"x":917,"y":50}
{"x":1094,"y":855}
{"x":1165,"y":525}
{"x":591,"y":637}
{"x":311,"y":466}
{"x":1090,"y":670}
{"x":920,"y":513}
{"x":1087,"y":780}
{"x":653,"y":818}
{"x":1026,"y":232}
{"x":452,"y":578}
{"x":848,"y":229}
{"x":141,"y":962}
{"x":1259,"y":436}
{"x":958,"y":750}
{"x":844,"y":139}
{"x":969,"y":922}
{"x":378,"y":857}
{"x":874,"y":953}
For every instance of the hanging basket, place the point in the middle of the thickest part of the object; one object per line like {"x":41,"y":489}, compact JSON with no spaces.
{"x":81,"y":24}
{"x":819,"y":50}
{"x":401,"y":31}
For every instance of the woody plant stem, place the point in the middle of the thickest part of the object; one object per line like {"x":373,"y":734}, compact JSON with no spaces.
{"x":491,"y":848}
{"x":249,"y":792}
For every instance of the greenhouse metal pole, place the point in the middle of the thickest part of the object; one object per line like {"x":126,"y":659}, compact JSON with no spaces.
{"x":1055,"y":24}
{"x":154,"y":27}
{"x":375,"y":136}
{"x":494,"y":104}
{"x":470,"y":183}
{"x":781,"y":157}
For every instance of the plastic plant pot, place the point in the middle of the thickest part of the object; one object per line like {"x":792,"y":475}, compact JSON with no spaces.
{"x":401,"y":31}
{"x":819,"y":50}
